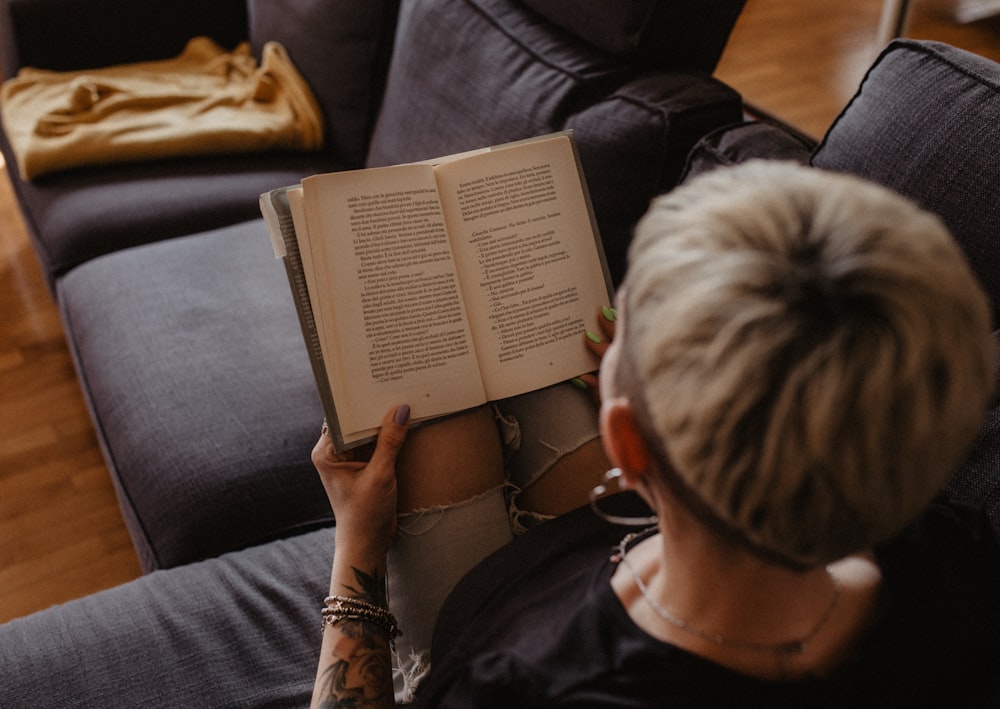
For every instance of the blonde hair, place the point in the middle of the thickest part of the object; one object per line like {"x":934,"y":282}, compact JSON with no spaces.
{"x":814,"y":353}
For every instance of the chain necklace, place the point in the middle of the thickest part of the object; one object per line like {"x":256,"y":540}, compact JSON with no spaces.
{"x":783,"y":649}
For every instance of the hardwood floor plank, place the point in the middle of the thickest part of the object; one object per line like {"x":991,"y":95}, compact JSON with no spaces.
{"x":803,"y":61}
{"x":61,"y":531}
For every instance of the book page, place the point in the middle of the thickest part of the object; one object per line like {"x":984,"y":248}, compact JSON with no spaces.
{"x":528,"y":256}
{"x":393,"y":323}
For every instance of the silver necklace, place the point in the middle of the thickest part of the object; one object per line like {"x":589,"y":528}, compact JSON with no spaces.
{"x":784,"y":649}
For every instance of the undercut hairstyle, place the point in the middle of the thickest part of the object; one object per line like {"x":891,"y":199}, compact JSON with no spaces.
{"x":812,"y":350}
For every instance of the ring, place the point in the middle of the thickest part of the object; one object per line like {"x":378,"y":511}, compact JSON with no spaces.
{"x":326,"y":429}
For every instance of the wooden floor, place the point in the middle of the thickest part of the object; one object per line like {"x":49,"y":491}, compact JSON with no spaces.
{"x":61,"y":535}
{"x":802,"y":60}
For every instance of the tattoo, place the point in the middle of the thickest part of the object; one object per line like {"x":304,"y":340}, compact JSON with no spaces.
{"x":360,"y":675}
{"x":372,"y":587}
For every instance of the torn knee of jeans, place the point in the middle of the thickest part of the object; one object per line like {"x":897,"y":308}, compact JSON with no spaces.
{"x":558,"y":451}
{"x":423,"y":520}
{"x":522,"y":520}
{"x":510,"y":431}
{"x":408,"y":673}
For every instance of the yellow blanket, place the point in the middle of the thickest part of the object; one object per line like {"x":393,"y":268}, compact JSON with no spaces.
{"x":205,"y":101}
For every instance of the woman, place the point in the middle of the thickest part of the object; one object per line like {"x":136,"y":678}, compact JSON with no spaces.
{"x":800,"y":361}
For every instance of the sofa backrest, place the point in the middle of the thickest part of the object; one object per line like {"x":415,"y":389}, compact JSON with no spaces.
{"x":926,"y":122}
{"x":341,"y":48}
{"x":470,"y":73}
{"x":65,"y":35}
{"x":671,"y":34}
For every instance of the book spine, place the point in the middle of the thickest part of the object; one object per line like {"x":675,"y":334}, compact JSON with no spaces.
{"x":292,"y":259}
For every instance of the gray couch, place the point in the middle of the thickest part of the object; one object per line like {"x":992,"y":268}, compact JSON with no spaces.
{"x":185,"y":337}
{"x":180,"y":321}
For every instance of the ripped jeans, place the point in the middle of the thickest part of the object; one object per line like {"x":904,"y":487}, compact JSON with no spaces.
{"x":435,"y":547}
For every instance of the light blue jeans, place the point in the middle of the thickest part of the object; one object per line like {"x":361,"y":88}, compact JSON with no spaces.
{"x":436,"y":547}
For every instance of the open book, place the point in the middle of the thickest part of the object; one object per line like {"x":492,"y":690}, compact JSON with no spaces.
{"x":444,"y":284}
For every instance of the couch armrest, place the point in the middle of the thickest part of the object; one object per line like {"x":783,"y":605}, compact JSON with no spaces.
{"x":81,"y":34}
{"x":926,"y":123}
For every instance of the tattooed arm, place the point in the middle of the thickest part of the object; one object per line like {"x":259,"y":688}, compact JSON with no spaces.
{"x":355,"y":666}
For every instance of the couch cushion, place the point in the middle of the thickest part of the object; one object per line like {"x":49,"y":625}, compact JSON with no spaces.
{"x":615,"y":26}
{"x":926,"y":122}
{"x":238,"y":631}
{"x":669,"y":34}
{"x":76,"y":216}
{"x":731,"y":145}
{"x":342,"y":49}
{"x":191,"y":358}
{"x":496,"y":72}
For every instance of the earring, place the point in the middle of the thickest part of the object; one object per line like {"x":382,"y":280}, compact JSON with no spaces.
{"x":601,"y":492}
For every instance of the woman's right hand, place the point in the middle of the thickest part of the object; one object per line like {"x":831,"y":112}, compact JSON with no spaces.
{"x":598,"y":343}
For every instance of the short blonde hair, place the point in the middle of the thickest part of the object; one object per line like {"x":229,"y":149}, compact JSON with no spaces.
{"x":813,"y":350}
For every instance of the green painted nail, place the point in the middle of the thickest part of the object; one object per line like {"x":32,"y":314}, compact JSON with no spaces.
{"x":594,"y":338}
{"x":610,"y":314}
{"x":578,"y":383}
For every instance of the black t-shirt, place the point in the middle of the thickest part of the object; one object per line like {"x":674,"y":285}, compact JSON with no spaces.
{"x":538,"y":625}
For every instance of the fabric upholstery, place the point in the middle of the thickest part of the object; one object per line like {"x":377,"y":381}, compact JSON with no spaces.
{"x":731,"y":145}
{"x":194,"y":367}
{"x":669,"y":34}
{"x":615,"y":26}
{"x":494,"y":72}
{"x":241,"y":630}
{"x":342,"y":49}
{"x":977,"y":479}
{"x":75,"y":216}
{"x":926,"y":122}
{"x":47,"y":34}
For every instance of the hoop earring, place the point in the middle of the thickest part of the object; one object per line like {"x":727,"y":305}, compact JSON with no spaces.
{"x":600,"y":492}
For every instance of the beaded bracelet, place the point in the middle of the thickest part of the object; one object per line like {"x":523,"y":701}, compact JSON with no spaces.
{"x":338,"y":608}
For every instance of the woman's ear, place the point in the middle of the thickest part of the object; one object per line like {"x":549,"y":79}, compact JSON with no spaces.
{"x":624,"y":444}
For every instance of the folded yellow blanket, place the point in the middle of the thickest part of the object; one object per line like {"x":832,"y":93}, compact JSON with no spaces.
{"x":205,"y":101}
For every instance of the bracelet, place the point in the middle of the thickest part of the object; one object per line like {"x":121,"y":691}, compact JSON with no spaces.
{"x":338,"y":608}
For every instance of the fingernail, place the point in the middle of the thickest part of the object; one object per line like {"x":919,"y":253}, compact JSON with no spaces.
{"x":594,"y":338}
{"x":610,"y":314}
{"x":402,"y":415}
{"x":578,"y":383}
